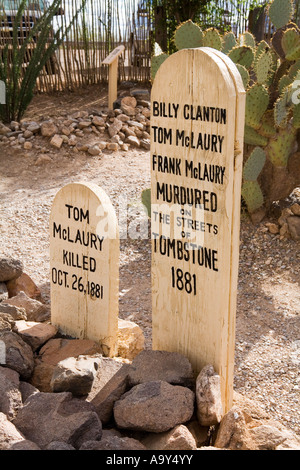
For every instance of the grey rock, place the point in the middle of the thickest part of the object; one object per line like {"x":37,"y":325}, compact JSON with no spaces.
{"x":48,"y":417}
{"x":35,"y":310}
{"x":75,"y":375}
{"x":208,"y":397}
{"x":10,"y":395}
{"x":145,"y":143}
{"x":57,"y":141}
{"x":34,"y":127}
{"x":294,"y":227}
{"x":4,"y":130}
{"x":10,"y":269}
{"x":170,"y":367}
{"x":28,"y":134}
{"x":98,"y":121}
{"x":267,"y":437}
{"x":3,"y":291}
{"x":109,"y":385}
{"x":9,"y":434}
{"x":48,"y":129}
{"x":232,"y":433}
{"x":17,"y":313}
{"x":154,"y":407}
{"x":115,"y":127}
{"x":6,"y":323}
{"x":178,"y":438}
{"x":133,"y":141}
{"x":18,"y":354}
{"x":34,"y":333}
{"x":58,"y":445}
{"x":26,"y":390}
{"x":140,"y":94}
{"x":94,"y":150}
{"x":111,"y":442}
{"x":24,"y":445}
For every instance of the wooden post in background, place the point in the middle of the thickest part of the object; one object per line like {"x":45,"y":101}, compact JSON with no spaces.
{"x":112,"y":61}
{"x":198,"y":110}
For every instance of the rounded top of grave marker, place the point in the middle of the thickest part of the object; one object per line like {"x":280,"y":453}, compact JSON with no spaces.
{"x":197,"y":59}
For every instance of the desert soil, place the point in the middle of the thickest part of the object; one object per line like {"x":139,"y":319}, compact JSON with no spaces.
{"x":268,"y":308}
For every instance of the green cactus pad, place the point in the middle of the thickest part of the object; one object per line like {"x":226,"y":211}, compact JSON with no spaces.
{"x":294,"y":70}
{"x":244,"y":74}
{"x":281,"y":146}
{"x":212,"y":39}
{"x":280,"y":12}
{"x":242,"y":55}
{"x":229,"y":42}
{"x":264,"y":67}
{"x":284,"y":82}
{"x":188,"y":35}
{"x":257,"y":101}
{"x":267,"y":128}
{"x":263,"y":46}
{"x":252,"y":195}
{"x":247,"y":39}
{"x":252,"y":137}
{"x":156,"y":63}
{"x":291,"y":44}
{"x":296,"y":117}
{"x":254,"y":164}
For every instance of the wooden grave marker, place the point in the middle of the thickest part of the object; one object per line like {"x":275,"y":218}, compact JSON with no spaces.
{"x":84,"y":265}
{"x":112,"y":60}
{"x":197,"y":123}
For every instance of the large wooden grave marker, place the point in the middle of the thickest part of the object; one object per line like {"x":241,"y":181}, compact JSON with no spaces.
{"x":198,"y":111}
{"x":84,"y":264}
{"x":112,"y":60}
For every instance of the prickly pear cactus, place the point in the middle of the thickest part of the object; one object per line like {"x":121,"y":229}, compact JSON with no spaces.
{"x":242,"y":55}
{"x":229,"y":42}
{"x":270,"y":73}
{"x":291,"y":44}
{"x":281,"y":146}
{"x":254,"y":164}
{"x":252,"y":195}
{"x":257,"y":102}
{"x":188,"y":35}
{"x":212,"y":39}
{"x":156,"y":63}
{"x":253,"y":137}
{"x":264,"y":67}
{"x":247,"y":39}
{"x":280,"y":12}
{"x":244,"y":74}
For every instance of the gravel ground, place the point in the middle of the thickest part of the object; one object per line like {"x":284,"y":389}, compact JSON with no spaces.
{"x":267,"y":331}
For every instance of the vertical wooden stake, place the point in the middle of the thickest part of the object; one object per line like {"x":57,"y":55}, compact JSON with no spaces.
{"x":112,"y":83}
{"x":112,"y":61}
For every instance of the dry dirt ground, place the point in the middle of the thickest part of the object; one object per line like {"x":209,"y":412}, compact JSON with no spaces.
{"x":268,"y":330}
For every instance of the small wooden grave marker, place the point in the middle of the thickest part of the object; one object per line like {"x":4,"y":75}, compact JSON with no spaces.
{"x":112,"y":60}
{"x":197,"y":125}
{"x":84,"y":265}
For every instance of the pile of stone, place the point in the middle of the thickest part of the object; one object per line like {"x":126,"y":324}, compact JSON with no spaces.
{"x":288,"y":224}
{"x":60,"y":393}
{"x":128,"y":125}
